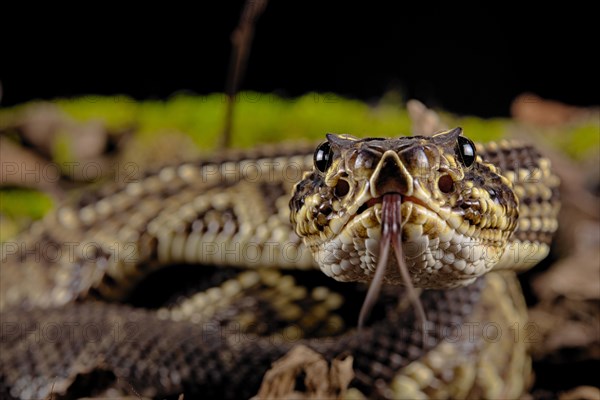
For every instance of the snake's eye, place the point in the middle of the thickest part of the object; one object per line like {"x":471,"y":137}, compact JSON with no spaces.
{"x":465,"y":149}
{"x":322,"y":158}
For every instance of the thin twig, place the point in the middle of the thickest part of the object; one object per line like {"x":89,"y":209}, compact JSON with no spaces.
{"x":241,"y":40}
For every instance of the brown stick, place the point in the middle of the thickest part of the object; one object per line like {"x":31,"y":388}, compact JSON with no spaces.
{"x":241,"y":39}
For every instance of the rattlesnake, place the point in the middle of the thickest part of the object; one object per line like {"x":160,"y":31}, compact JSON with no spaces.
{"x":469,"y":216}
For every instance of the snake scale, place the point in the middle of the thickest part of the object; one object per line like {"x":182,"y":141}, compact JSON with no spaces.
{"x":254,"y":292}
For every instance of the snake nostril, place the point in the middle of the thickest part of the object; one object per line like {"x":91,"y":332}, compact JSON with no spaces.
{"x":446,"y":183}
{"x":342,"y":188}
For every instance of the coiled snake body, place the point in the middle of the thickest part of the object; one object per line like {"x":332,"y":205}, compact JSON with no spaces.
{"x":463,"y":210}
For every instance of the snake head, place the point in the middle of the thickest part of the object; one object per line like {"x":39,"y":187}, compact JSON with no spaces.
{"x":457,"y":212}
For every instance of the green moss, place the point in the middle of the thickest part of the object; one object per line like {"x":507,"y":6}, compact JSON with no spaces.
{"x":260,"y":117}
{"x":62,"y":152}
{"x":18,"y":207}
{"x":266,"y":117}
{"x":581,"y":141}
{"x":116,"y":112}
{"x":19,"y":203}
{"x":201,"y":117}
{"x":270,"y":118}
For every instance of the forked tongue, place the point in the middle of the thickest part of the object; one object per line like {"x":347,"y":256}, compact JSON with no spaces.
{"x":391,"y":222}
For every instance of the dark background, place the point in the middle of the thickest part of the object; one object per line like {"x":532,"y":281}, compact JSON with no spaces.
{"x":466,"y":59}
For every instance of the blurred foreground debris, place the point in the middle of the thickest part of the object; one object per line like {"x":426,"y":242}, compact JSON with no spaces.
{"x":425,"y":121}
{"x":43,"y":148}
{"x":321,"y":380}
{"x":532,"y":109}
